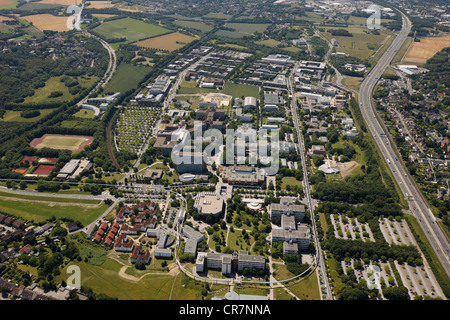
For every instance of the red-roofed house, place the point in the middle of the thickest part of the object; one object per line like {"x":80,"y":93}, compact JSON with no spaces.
{"x":139,"y":255}
{"x":26,"y":249}
{"x":124,"y":244}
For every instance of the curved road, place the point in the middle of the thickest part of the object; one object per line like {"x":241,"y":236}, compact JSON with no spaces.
{"x":418,"y":206}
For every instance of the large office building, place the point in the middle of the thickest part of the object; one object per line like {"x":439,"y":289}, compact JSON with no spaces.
{"x":229,"y":263}
{"x":243,"y":175}
{"x":276,"y":210}
{"x":207,"y":203}
{"x":191,"y":233}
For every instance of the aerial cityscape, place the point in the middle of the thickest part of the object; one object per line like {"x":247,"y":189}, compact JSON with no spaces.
{"x":224,"y":150}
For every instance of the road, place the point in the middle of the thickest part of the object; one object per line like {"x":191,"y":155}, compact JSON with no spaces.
{"x":325,"y":290}
{"x":417,"y":205}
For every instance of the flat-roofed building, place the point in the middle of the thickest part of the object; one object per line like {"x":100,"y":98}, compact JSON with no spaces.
{"x":243,"y":175}
{"x":250,"y":102}
{"x":190,"y":246}
{"x":301,"y":236}
{"x":163,"y":253}
{"x":191,"y":233}
{"x":208,"y":203}
{"x":246,"y":260}
{"x":277,"y":209}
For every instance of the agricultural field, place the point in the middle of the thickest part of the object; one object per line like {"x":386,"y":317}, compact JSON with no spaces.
{"x":247,"y":28}
{"x":362,"y":21}
{"x":169,"y":42}
{"x":126,"y":77}
{"x":61,"y":2}
{"x":48,"y":22}
{"x":104,"y":15}
{"x":218,"y":16}
{"x":8,"y":4}
{"x":131,"y":29}
{"x":59,"y":141}
{"x":98,"y":4}
{"x":14,"y":116}
{"x":420,"y":52}
{"x":42,"y":208}
{"x":201,"y":26}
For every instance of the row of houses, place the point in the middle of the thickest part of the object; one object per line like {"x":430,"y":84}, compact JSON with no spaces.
{"x":21,"y":292}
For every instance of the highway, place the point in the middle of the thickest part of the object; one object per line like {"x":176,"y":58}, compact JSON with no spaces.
{"x":325,"y":290}
{"x":417,"y":204}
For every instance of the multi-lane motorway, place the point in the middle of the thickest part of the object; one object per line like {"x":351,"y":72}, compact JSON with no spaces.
{"x":417,"y":205}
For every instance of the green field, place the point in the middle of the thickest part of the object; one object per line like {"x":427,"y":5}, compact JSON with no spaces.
{"x":84,"y":114}
{"x":235,"y":90}
{"x":42,"y":208}
{"x":126,"y":77}
{"x":291,"y":181}
{"x":360,"y":45}
{"x":54,"y":84}
{"x":203,"y":27}
{"x":31,"y":6}
{"x":307,"y":288}
{"x":218,"y":16}
{"x":14,"y":116}
{"x":248,"y":28}
{"x":12,"y":5}
{"x":105,"y":279}
{"x":269,"y":42}
{"x":131,"y":29}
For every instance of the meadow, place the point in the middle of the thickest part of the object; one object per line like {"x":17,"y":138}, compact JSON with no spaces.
{"x":131,"y":29}
{"x":235,"y":90}
{"x":201,"y":26}
{"x":57,"y":141}
{"x":126,"y":77}
{"x":14,"y":116}
{"x":42,"y":208}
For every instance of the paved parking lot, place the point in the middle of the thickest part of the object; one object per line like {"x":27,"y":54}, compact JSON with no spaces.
{"x":350,"y":228}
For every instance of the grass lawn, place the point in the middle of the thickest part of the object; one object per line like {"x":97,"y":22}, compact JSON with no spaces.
{"x":54,"y":84}
{"x":281,"y":294}
{"x":247,"y":28}
{"x":352,"y":83}
{"x":360,"y":45}
{"x":217,"y":16}
{"x":14,"y":116}
{"x":290,"y":181}
{"x":332,"y":266}
{"x":42,"y":208}
{"x":131,"y":29}
{"x":281,"y":272}
{"x":269,"y":42}
{"x":126,"y":77}
{"x":252,"y":291}
{"x":105,"y":279}
{"x":398,"y":58}
{"x":237,"y":236}
{"x":84,"y":114}
{"x":307,"y":288}
{"x":235,"y":90}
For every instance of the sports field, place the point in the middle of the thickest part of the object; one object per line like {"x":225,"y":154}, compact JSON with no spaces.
{"x":169,"y":42}
{"x":44,"y":169}
{"x":420,"y":52}
{"x":131,"y":29}
{"x":48,"y":22}
{"x":59,"y":141}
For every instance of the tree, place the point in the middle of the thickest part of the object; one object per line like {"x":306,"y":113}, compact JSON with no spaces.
{"x":396,"y":293}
